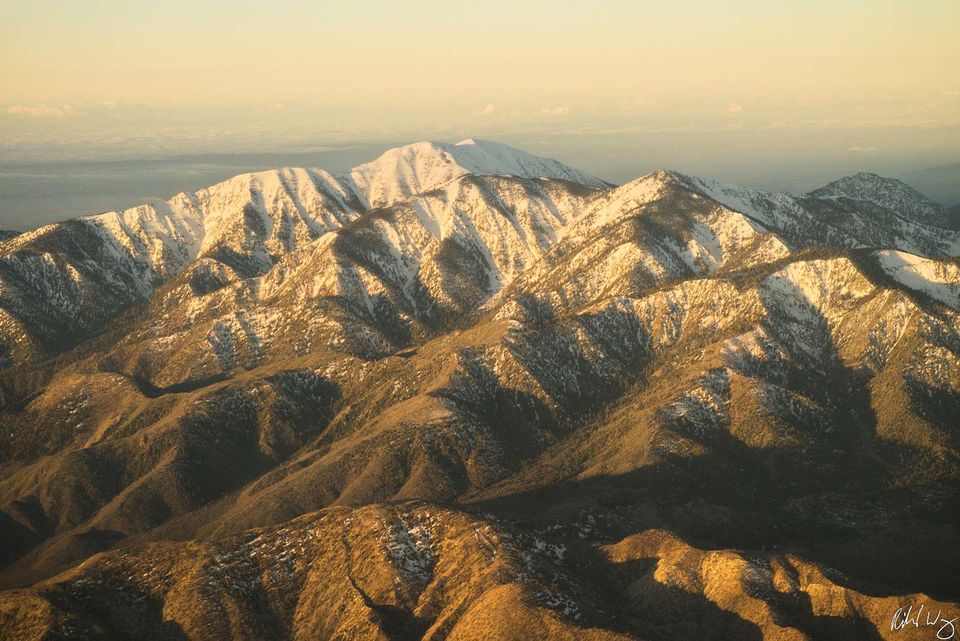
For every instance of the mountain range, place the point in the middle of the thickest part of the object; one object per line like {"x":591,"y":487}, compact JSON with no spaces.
{"x":465,"y":392}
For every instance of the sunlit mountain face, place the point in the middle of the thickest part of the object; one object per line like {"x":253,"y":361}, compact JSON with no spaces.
{"x":463,"y":391}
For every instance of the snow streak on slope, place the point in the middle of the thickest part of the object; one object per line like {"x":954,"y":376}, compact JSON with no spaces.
{"x":935,"y":278}
{"x":823,"y":218}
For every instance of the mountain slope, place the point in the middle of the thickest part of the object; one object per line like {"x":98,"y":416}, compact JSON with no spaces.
{"x":888,"y":193}
{"x":900,"y":218}
{"x":468,"y":324}
{"x":63,"y":282}
{"x":429,"y":572}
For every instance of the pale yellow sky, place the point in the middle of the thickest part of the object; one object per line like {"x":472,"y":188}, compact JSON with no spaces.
{"x":92,"y":76}
{"x":426,"y":54}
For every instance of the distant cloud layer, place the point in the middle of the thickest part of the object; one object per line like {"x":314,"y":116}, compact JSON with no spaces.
{"x":39,"y":111}
{"x":109,"y":108}
{"x":559,"y":110}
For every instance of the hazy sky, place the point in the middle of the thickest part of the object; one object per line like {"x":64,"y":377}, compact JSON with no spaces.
{"x":870,"y":82}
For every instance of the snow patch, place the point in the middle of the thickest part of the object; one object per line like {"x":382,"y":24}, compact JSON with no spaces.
{"x":938,"y":279}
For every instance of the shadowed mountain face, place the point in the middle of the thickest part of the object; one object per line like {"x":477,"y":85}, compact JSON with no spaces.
{"x":955,"y":213}
{"x":462,"y":392}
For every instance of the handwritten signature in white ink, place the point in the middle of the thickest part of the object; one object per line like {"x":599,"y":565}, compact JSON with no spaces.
{"x":903,"y":618}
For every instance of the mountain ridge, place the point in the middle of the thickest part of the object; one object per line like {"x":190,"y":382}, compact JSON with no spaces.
{"x":559,"y":374}
{"x":890,"y":192}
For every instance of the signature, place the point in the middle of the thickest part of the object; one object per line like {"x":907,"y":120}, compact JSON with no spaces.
{"x":903,"y":618}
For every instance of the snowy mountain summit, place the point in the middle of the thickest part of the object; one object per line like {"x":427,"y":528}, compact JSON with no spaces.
{"x":425,"y":166}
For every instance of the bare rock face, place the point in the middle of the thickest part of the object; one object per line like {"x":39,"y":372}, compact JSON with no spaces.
{"x":463,"y":392}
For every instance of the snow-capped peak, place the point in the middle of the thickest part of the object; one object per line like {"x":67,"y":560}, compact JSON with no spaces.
{"x":494,"y":158}
{"x":424,"y":166}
